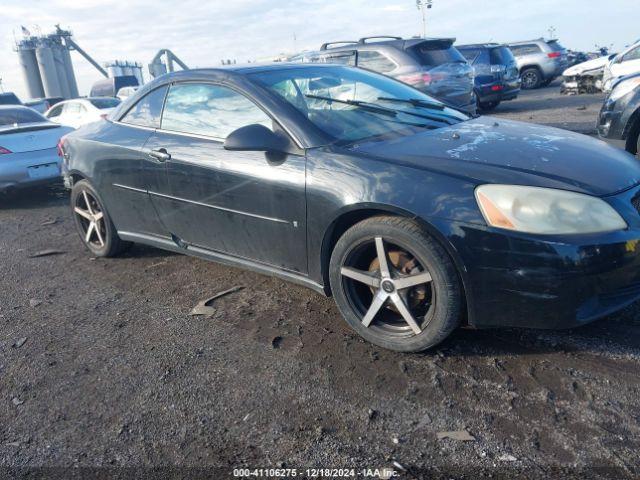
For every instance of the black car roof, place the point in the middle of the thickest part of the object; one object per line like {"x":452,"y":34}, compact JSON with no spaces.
{"x":244,"y":69}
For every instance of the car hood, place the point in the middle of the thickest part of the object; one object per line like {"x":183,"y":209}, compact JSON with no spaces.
{"x":491,"y":150}
{"x":589,"y":66}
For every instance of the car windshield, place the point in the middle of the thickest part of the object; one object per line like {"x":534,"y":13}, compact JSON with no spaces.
{"x":106,"y":102}
{"x":555,"y":46}
{"x":501,"y":56}
{"x":351,"y":105}
{"x":432,"y":53}
{"x":18,"y":116}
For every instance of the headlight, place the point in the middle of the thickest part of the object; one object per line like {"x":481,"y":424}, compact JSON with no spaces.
{"x":624,"y":87}
{"x":545,"y":210}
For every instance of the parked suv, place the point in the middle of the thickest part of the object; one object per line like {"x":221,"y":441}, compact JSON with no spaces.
{"x":496,"y":73}
{"x":539,"y":61}
{"x":433,"y":66}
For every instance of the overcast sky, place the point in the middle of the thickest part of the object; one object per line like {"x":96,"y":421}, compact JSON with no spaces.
{"x":202,"y":32}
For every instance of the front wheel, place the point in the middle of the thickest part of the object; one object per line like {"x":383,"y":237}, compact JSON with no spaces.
{"x":395,"y":285}
{"x":93,"y":223}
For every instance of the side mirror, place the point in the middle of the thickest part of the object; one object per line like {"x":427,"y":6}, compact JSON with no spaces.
{"x":256,"y":138}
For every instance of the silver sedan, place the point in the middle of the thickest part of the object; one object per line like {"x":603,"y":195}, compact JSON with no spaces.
{"x":28,"y":148}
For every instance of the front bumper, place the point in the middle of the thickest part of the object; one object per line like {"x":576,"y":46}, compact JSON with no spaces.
{"x":533,"y":281}
{"x":29,"y":168}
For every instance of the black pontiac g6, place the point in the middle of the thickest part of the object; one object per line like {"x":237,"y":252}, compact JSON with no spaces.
{"x":412,"y":215}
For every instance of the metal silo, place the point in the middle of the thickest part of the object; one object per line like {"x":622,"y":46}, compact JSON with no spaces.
{"x":48,"y":72}
{"x":71,"y":78}
{"x":30,"y":71}
{"x":61,"y":72}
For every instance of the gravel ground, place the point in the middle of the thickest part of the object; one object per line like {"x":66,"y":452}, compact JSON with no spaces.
{"x":103,"y":368}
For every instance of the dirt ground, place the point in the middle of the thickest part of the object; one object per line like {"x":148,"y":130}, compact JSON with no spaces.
{"x":102,"y":368}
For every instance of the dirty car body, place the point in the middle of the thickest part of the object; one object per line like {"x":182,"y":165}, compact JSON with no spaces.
{"x":282,"y":213}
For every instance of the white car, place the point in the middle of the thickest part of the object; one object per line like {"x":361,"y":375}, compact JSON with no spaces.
{"x":28,"y":148}
{"x":585,"y":77}
{"x":81,"y":111}
{"x":625,"y":63}
{"x":126,"y":92}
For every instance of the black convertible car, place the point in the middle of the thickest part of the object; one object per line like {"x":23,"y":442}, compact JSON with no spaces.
{"x":414,"y":216}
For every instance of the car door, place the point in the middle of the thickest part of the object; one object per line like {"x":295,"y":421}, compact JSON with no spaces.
{"x":128,"y":168}
{"x":246,"y":204}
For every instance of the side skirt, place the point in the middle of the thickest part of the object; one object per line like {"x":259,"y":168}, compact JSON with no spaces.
{"x":168,"y":244}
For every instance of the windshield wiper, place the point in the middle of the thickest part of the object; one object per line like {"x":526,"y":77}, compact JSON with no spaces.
{"x":416,"y":102}
{"x":372,"y":107}
{"x":357,"y":103}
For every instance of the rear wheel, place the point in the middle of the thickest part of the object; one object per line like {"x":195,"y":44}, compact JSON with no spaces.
{"x":395,"y":285}
{"x":488,"y":106}
{"x":93,"y":223}
{"x":531,"y":78}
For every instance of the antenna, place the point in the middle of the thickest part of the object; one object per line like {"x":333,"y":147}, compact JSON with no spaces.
{"x":424,"y":5}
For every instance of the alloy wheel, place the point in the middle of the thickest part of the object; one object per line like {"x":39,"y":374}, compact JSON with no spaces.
{"x":91,"y":219}
{"x":387,"y":286}
{"x":529,"y":80}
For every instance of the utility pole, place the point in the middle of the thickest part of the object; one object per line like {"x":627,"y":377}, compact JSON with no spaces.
{"x":552,"y":32}
{"x":423,"y":6}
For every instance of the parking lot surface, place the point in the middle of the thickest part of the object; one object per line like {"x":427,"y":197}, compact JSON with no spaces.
{"x":101,"y":365}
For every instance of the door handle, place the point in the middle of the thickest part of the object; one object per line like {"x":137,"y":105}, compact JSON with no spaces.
{"x":160,"y":154}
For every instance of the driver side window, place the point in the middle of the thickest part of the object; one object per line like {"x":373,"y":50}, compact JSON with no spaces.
{"x":55,"y":111}
{"x":632,"y":55}
{"x":210,"y":110}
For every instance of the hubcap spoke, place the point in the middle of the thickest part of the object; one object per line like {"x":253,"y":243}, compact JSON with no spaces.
{"x":404,"y":311}
{"x":378,"y":301}
{"x":87,"y":202}
{"x":361,"y":276}
{"x":87,"y":237}
{"x":382,"y":257}
{"x":99,"y":233}
{"x":412,"y":280}
{"x":83,"y":213}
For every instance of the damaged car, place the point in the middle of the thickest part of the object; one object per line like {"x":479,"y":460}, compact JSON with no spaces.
{"x":623,"y":64}
{"x":619,"y":119}
{"x":586,"y":77}
{"x":414,"y":216}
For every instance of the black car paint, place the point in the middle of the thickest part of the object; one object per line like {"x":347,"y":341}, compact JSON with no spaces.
{"x":619,"y":120}
{"x":318,"y":190}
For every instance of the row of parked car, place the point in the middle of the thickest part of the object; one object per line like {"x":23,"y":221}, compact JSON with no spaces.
{"x":469,"y":77}
{"x":29,"y":135}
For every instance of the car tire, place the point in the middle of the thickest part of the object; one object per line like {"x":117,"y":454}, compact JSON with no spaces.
{"x":488,"y":106}
{"x":368,"y":298}
{"x":93,"y":222}
{"x":531,"y":78}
